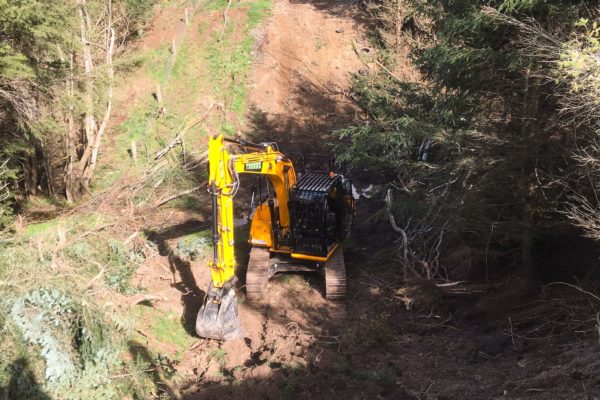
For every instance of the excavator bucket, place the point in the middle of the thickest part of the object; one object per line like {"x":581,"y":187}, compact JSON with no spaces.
{"x":218,"y":318}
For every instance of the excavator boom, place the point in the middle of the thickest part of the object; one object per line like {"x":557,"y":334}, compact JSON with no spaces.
{"x":218,"y":317}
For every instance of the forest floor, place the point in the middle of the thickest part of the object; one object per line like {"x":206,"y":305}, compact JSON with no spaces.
{"x":389,"y":340}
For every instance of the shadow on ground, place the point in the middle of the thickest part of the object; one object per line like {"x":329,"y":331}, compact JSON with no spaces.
{"x":307,"y":127}
{"x":191,"y":295}
{"x":155,"y":371}
{"x":353,"y":9}
{"x":22,"y":384}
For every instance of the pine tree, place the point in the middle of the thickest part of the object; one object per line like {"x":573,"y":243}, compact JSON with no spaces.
{"x":470,"y":145}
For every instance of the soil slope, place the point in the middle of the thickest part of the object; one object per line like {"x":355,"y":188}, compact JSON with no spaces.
{"x":297,"y":345}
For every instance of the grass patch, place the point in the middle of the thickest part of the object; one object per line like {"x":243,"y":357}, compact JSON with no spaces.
{"x":166,"y":327}
{"x":218,"y":5}
{"x":230,"y":62}
{"x":220,"y":356}
{"x":69,"y":224}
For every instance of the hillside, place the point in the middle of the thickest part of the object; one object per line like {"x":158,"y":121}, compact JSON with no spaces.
{"x":100,"y":295}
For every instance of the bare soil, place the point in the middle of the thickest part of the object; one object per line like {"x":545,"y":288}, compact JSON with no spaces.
{"x":296,"y":345}
{"x":302,"y":79}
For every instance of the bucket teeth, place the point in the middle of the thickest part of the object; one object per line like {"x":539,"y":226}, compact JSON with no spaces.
{"x":218,"y":318}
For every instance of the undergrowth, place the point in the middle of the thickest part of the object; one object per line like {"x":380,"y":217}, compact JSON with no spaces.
{"x":59,"y":338}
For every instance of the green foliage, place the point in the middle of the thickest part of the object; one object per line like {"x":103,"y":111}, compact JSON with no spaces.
{"x":122,"y":264}
{"x":30,"y":32}
{"x":73,"y":339}
{"x":56,"y":334}
{"x":139,"y":11}
{"x":40,"y":48}
{"x":192,"y":246}
{"x":463,"y":147}
{"x":7,"y":176}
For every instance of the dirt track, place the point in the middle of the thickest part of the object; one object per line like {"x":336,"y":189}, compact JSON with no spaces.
{"x":303,"y":73}
{"x":299,"y":346}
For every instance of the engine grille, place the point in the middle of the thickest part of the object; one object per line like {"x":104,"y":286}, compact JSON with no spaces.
{"x":308,"y":206}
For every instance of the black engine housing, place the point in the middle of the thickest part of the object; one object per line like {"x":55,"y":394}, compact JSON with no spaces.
{"x":321,"y":211}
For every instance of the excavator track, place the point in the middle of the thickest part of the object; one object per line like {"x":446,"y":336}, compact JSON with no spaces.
{"x":257,"y":276}
{"x":335,"y":276}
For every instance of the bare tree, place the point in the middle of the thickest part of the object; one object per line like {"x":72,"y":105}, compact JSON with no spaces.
{"x":80,"y":169}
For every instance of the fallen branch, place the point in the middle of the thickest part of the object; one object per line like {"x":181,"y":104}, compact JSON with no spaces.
{"x":576,"y":288}
{"x":168,"y":148}
{"x":179,"y":138}
{"x":100,"y":274}
{"x":390,"y":217}
{"x":131,"y":237}
{"x":224,"y":20}
{"x":175,"y":196}
{"x":449,"y":284}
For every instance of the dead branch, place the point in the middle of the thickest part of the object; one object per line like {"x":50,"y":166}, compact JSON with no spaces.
{"x":574,"y":287}
{"x":224,"y":20}
{"x":179,"y":137}
{"x":175,"y":196}
{"x":90,"y":284}
{"x":175,"y":142}
{"x":396,"y":228}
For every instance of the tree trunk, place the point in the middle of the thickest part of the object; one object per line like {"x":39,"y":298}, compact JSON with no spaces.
{"x":71,"y":140}
{"x":82,"y":152}
{"x":89,"y":169}
{"x":530,"y":129}
{"x":88,"y":65}
{"x":30,"y":172}
{"x":399,"y":20}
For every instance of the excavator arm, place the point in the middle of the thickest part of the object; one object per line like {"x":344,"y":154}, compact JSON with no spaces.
{"x":218,"y":318}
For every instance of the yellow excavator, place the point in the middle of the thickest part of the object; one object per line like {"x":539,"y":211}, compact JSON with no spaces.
{"x":297,"y":224}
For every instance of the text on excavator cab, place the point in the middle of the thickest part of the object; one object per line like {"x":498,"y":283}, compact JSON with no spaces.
{"x":253,"y":166}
